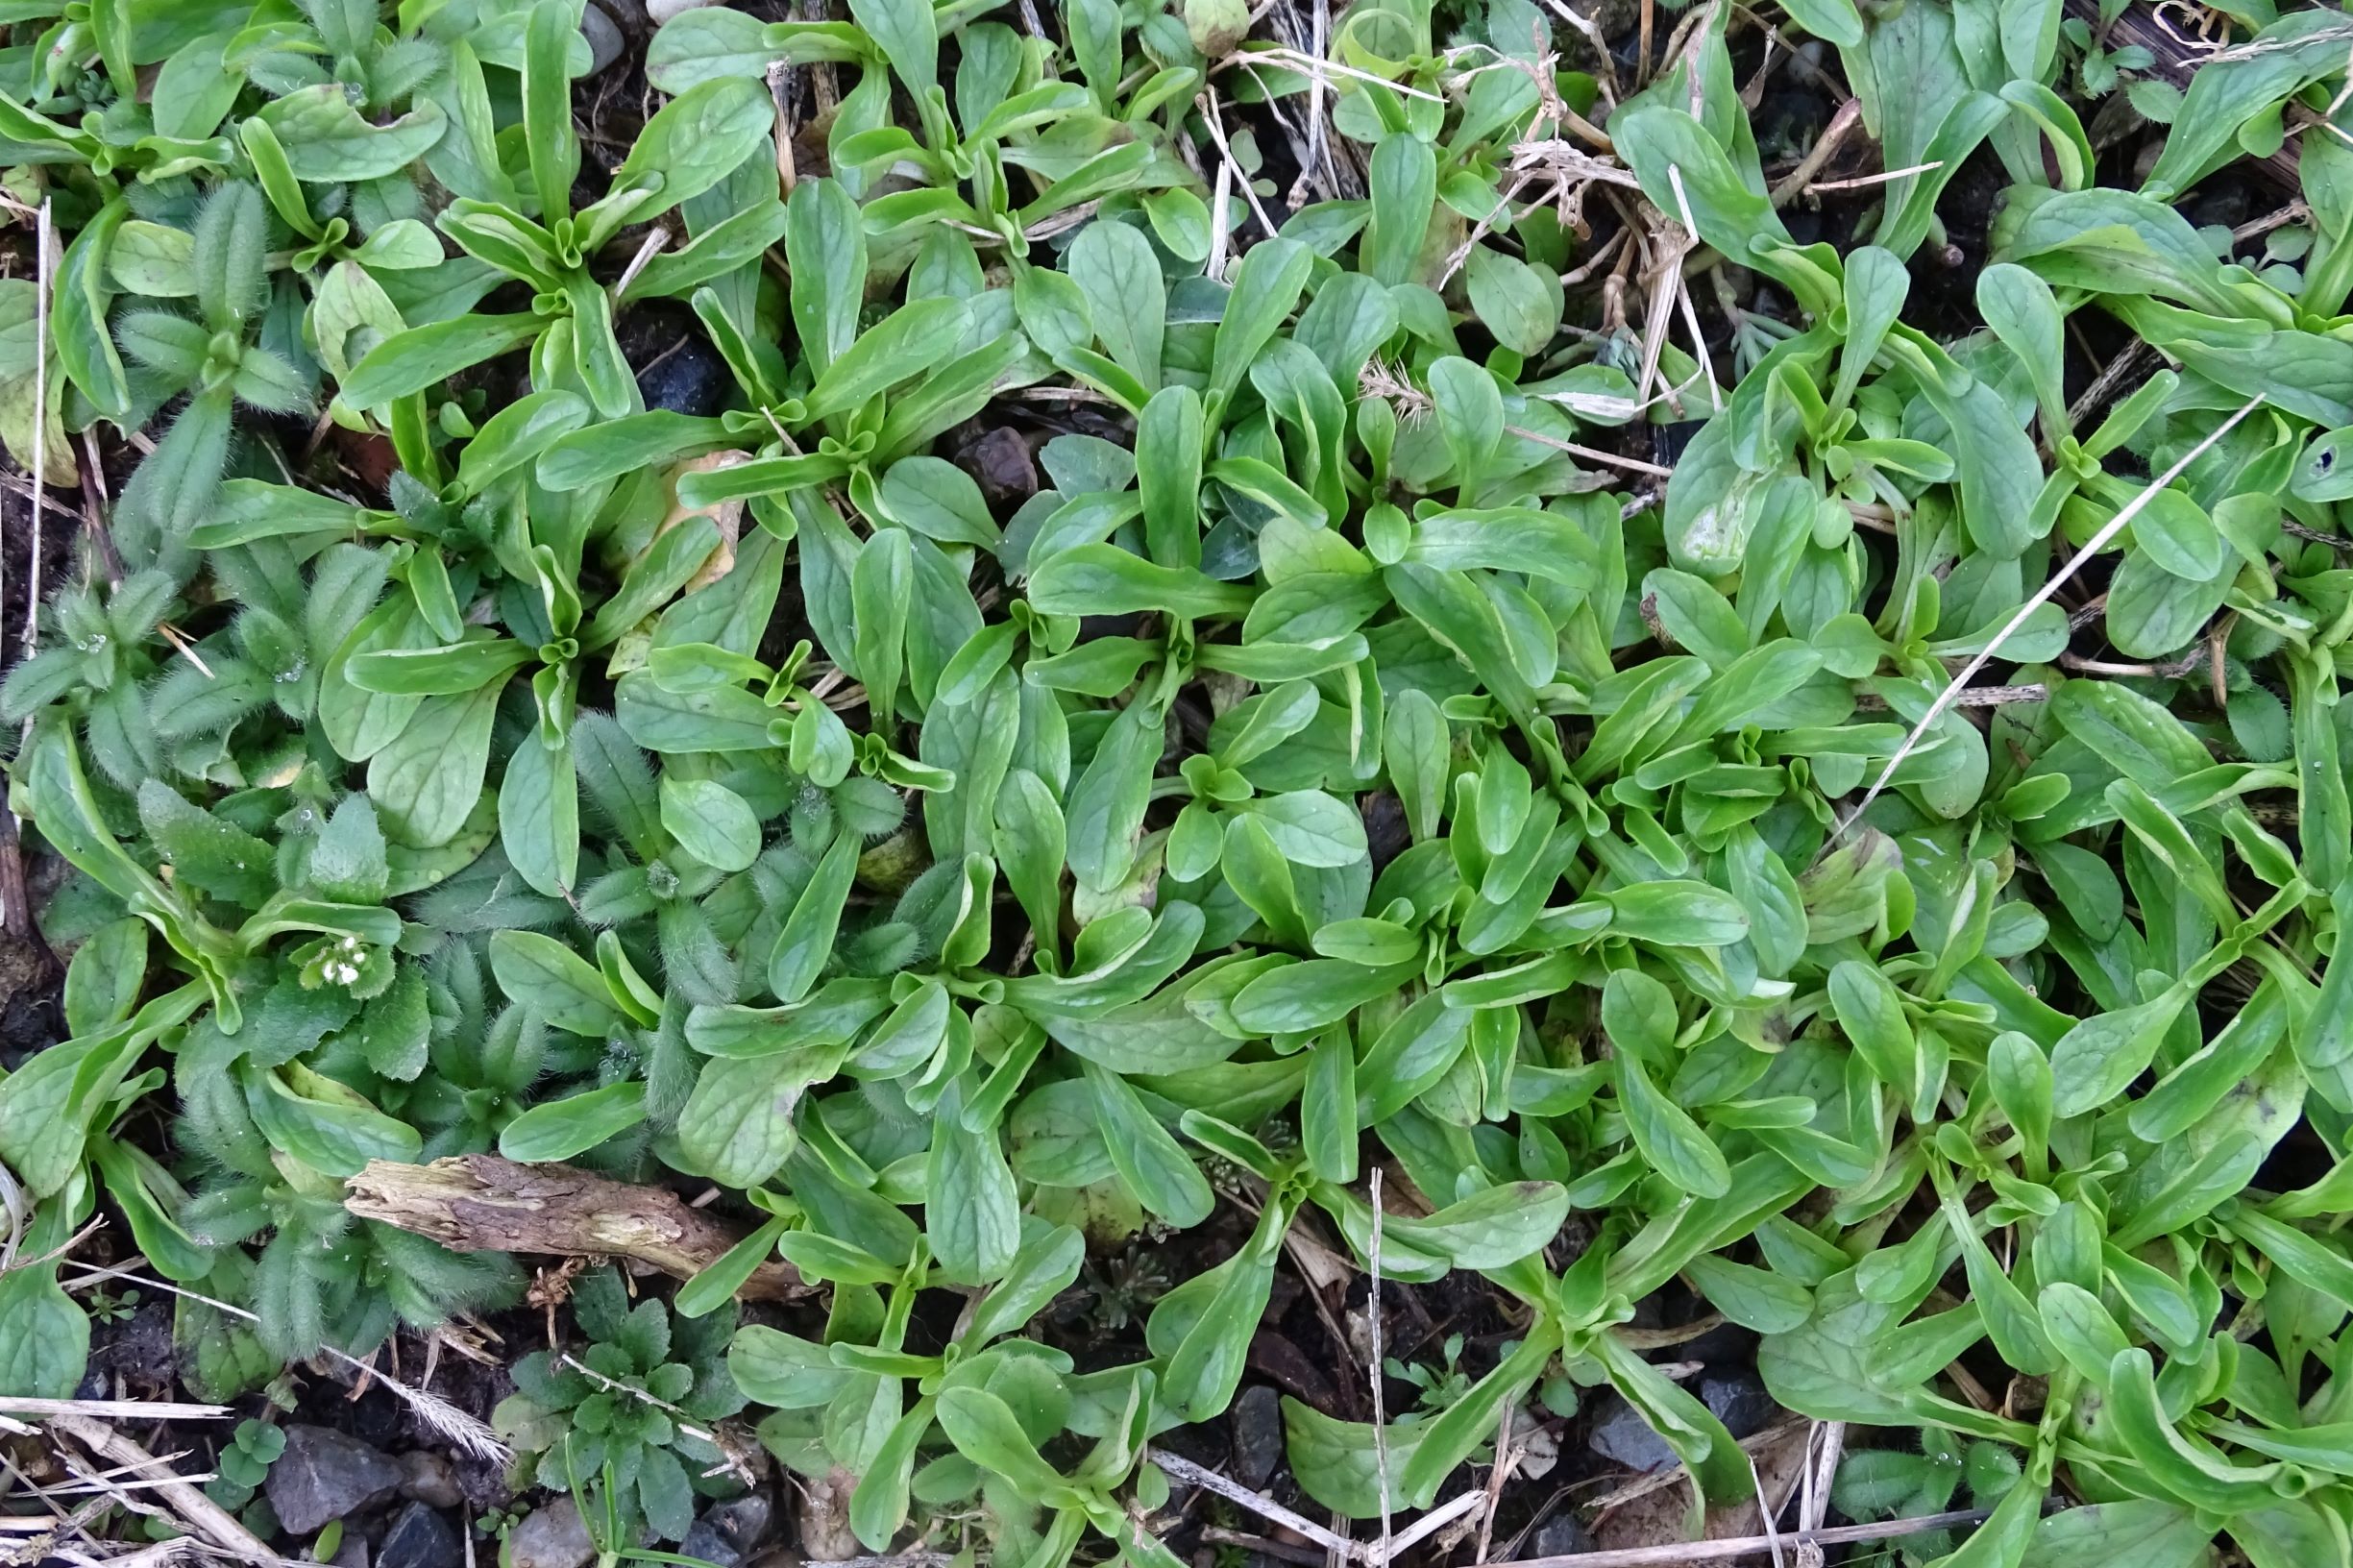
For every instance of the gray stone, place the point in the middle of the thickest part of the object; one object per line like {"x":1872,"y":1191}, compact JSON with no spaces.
{"x":1258,"y":1435}
{"x":1727,"y":1345}
{"x":728,"y":1533}
{"x":1559,"y":1536}
{"x":352,"y":1554}
{"x":1001,"y":464}
{"x":420,"y":1537}
{"x":550,"y":1537}
{"x":687,"y":376}
{"x":1739,"y":1400}
{"x":427,"y":1479}
{"x":603,"y":36}
{"x":662,"y":11}
{"x":324,"y":1475}
{"x":1620,"y":1434}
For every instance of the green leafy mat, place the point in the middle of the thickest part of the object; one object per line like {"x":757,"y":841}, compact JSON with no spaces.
{"x":1882,"y":877}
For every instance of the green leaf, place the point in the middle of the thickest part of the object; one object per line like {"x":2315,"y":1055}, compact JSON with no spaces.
{"x":806,"y":940}
{"x":558,"y":984}
{"x":44,"y":1335}
{"x":737,"y":1126}
{"x":691,"y":144}
{"x":1833,"y":21}
{"x":2152,"y":1534}
{"x":1104,"y":579}
{"x":1491,"y":1229}
{"x":904,"y":344}
{"x":1448,"y":1439}
{"x":551,"y":147}
{"x":213,"y":855}
{"x":1267,"y":285}
{"x":323,"y":1125}
{"x":971,"y":1213}
{"x":825,"y":244}
{"x":539,"y":817}
{"x":1311,"y":828}
{"x":562,"y":1129}
{"x":1519,"y":304}
{"x":1755,"y":1298}
{"x":1676,"y":914}
{"x":424,"y":357}
{"x":328,"y":142}
{"x":1338,"y":1464}
{"x":427,"y":782}
{"x":1149,"y":1160}
{"x":1106,"y":806}
{"x":1404,"y":181}
{"x":986,"y":1432}
{"x":1169,"y":438}
{"x":1667,"y":1138}
{"x":2020,"y":308}
{"x":1116,"y":269}
{"x":938,"y":500}
{"x":2094,"y":1061}
{"x":1870,"y":1009}
{"x":2189,"y":1468}
{"x":103,"y":979}
{"x":908,"y":34}
{"x":711,"y":822}
{"x":48,"y":1107}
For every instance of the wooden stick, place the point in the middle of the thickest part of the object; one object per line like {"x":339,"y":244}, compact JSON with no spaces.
{"x":1676,"y":1554}
{"x":1977,"y":696}
{"x":1428,"y":1525}
{"x":42,"y":241}
{"x":1380,"y":1419}
{"x":1266,"y":1507}
{"x":1826,"y":147}
{"x":125,"y":1410}
{"x":1281,"y":1550}
{"x":1860,"y":180}
{"x":204,"y":1516}
{"x":479,"y":1202}
{"x":1505,"y":1461}
{"x":156,"y":1555}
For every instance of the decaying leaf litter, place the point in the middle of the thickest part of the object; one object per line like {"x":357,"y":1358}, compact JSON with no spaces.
{"x":916,"y":768}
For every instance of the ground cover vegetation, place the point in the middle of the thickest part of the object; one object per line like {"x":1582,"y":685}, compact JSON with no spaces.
{"x":1396,"y":641}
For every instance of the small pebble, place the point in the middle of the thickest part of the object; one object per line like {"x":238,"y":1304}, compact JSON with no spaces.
{"x":728,"y":1531}
{"x":325,"y":1474}
{"x":1739,"y":1400}
{"x":1258,"y":1435}
{"x":420,"y":1537}
{"x":550,"y":1537}
{"x":427,"y":1479}
{"x":1623,"y":1435}
{"x":1000,"y":463}
{"x":1561,"y":1536}
{"x":603,"y":36}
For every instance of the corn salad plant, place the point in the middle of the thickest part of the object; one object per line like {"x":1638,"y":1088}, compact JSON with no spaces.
{"x":1371,"y":744}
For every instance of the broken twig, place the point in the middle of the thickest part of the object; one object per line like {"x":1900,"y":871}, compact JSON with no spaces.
{"x":479,"y":1202}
